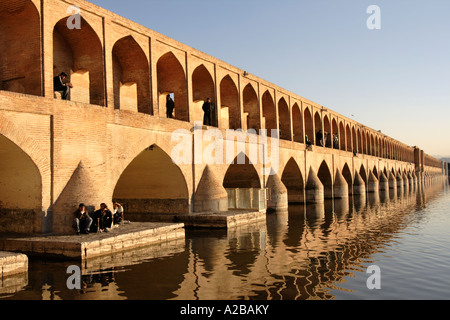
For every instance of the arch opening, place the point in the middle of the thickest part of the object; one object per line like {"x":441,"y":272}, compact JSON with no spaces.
{"x":251,"y":108}
{"x":20,"y":43}
{"x":79,"y":53}
{"x":292,"y":178}
{"x":319,"y":131}
{"x":243,"y":185}
{"x":309,"y":127}
{"x":152,"y":184}
{"x":325,"y":177}
{"x":172,"y":81}
{"x":341,"y":136}
{"x":285,"y":120}
{"x":348,"y":177}
{"x":327,"y":134}
{"x":131,"y":75}
{"x":348,"y":135}
{"x":297,"y":124}
{"x":229,"y":98}
{"x":334,"y":135}
{"x":203,"y":88}
{"x":241,"y":175}
{"x":20,"y":190}
{"x":269,"y":113}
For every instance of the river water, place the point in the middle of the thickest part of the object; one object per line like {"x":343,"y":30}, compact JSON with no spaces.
{"x":310,"y":252}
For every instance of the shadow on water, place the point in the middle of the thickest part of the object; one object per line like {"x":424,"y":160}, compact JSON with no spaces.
{"x":307,"y":252}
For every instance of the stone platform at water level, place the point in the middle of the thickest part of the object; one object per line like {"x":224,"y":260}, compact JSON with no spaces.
{"x":213,"y":220}
{"x":76,"y":247}
{"x":12,"y":263}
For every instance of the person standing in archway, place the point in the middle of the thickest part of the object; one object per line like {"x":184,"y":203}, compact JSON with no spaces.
{"x":170,"y":106}
{"x":207,"y":112}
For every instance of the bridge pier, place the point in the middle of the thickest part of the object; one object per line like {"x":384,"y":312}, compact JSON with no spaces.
{"x":399,"y":183}
{"x":392,"y":181}
{"x":383,"y":182}
{"x":81,"y":188}
{"x":373,"y":184}
{"x":278,"y":199}
{"x":340,"y":186}
{"x":210,"y":196}
{"x":314,"y":191}
{"x":359,"y":186}
{"x":405,"y":182}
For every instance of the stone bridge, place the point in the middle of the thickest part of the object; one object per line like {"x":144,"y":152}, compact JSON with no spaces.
{"x":113,"y":141}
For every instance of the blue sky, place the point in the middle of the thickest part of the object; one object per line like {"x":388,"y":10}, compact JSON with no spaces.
{"x":396,"y":79}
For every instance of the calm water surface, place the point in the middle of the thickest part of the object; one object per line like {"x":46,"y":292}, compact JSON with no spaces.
{"x":310,"y":252}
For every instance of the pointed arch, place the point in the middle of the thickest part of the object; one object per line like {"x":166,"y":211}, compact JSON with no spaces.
{"x":241,"y":175}
{"x":372,"y":145}
{"x":327,"y":136}
{"x":354,"y":140}
{"x":131,"y":74}
{"x":342,"y":145}
{"x":375,"y":172}
{"x":309,"y":126}
{"x":172,"y":80}
{"x":269,"y":112}
{"x":251,"y":108}
{"x":334,"y":133}
{"x":151,"y":184}
{"x":297,"y":124}
{"x":285,"y":120}
{"x":324,"y":175}
{"x":292,"y":178}
{"x":318,"y":128}
{"x":229,"y":99}
{"x":359,"y":140}
{"x":363,"y":174}
{"x":348,"y":135}
{"x":79,"y":53}
{"x":20,"y":190}
{"x":365,"y":142}
{"x":20,"y":54}
{"x":346,"y":172}
{"x":203,"y":87}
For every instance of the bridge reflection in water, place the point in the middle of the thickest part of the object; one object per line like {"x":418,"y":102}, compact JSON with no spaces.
{"x":308,"y":252}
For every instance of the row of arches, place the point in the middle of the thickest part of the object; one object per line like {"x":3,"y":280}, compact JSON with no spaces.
{"x":149,"y":183}
{"x":238,"y":103}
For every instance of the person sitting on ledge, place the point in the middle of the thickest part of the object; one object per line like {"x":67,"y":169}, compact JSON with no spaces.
{"x":118,"y":213}
{"x":308,"y":143}
{"x":60,"y":85}
{"x":102,"y":219}
{"x":82,"y":220}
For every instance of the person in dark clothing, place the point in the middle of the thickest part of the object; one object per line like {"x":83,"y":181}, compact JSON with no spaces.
{"x":207,"y":110}
{"x":170,"y":105}
{"x":308,"y":143}
{"x":102,"y":219}
{"x":335,"y":141}
{"x":319,"y":137}
{"x":60,"y":85}
{"x":82,"y":220}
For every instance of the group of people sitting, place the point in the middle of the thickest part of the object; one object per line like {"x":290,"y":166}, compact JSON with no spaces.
{"x":102,"y":220}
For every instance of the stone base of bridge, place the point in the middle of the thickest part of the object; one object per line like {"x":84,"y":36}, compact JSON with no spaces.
{"x":214,"y":220}
{"x":82,"y":247}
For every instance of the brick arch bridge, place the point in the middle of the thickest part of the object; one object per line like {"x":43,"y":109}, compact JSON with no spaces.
{"x":112,"y":140}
